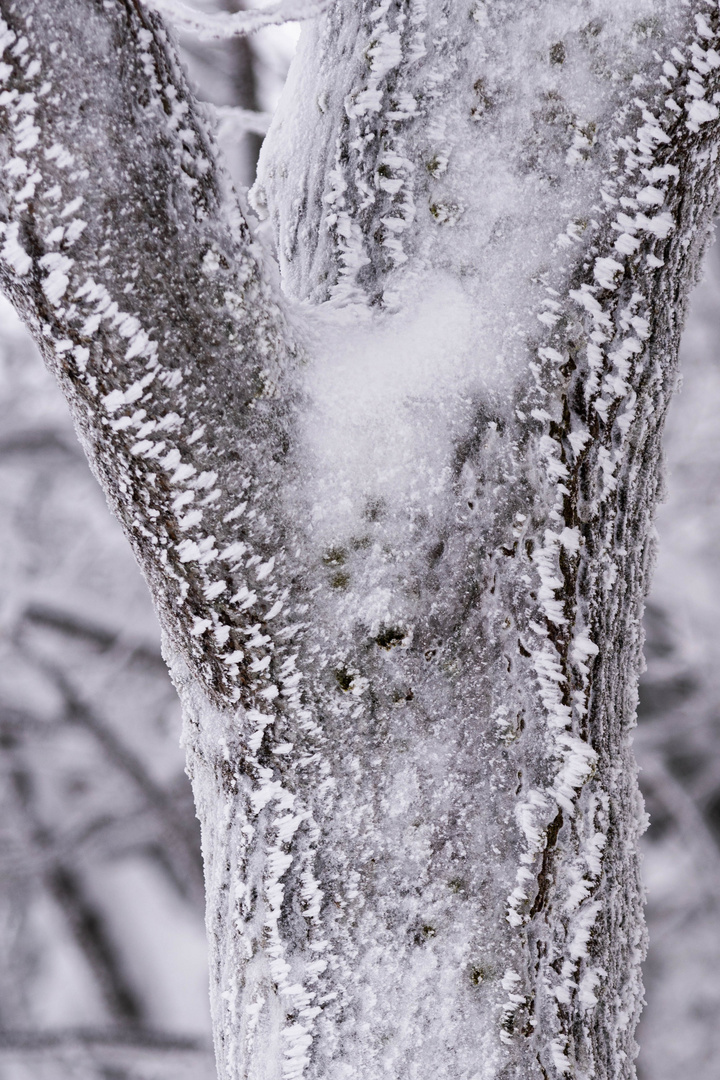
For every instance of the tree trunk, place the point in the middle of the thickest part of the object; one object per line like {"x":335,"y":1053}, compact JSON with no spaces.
{"x":397,"y":519}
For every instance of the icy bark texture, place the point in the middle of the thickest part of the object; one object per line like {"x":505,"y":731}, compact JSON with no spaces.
{"x":143,"y":291}
{"x":400,"y":570}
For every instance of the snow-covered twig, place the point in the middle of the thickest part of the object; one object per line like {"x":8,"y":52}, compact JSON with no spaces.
{"x":221,"y":25}
{"x":232,"y":117}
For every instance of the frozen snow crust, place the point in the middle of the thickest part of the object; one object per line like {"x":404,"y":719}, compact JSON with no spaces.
{"x":396,"y":521}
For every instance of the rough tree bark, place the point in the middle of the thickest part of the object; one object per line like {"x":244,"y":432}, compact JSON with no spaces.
{"x":396,"y":516}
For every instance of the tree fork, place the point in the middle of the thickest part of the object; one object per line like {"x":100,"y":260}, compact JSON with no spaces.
{"x":408,"y":675}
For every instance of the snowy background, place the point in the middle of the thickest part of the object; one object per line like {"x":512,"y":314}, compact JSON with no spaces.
{"x":102,"y":951}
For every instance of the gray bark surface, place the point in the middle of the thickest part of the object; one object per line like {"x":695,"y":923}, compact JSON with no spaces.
{"x":409,"y":680}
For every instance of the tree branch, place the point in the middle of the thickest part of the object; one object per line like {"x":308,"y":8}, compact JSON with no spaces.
{"x":65,"y":886}
{"x":142,"y":286}
{"x":140,"y":1038}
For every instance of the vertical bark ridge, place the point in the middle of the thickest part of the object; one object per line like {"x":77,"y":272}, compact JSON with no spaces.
{"x":617,"y":367}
